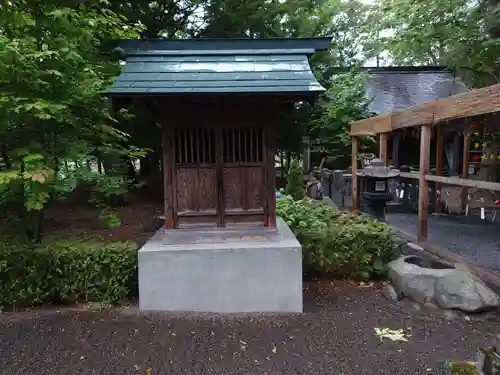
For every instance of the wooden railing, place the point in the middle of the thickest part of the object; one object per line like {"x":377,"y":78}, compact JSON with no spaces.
{"x":337,"y":186}
{"x":481,"y":197}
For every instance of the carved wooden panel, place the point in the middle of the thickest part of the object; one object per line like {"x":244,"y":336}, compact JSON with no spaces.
{"x":186,"y":180}
{"x":254,"y":180}
{"x":243,"y":187}
{"x":233,"y":188}
{"x":206,"y":189}
{"x":195,"y":189}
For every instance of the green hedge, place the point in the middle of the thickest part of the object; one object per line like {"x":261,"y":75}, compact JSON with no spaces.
{"x":336,"y":243}
{"x":67,"y":271}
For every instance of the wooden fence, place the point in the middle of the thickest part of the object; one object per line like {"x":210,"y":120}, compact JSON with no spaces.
{"x":337,"y":186}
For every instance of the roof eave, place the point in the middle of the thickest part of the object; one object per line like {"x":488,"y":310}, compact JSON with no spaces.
{"x":132,"y":46}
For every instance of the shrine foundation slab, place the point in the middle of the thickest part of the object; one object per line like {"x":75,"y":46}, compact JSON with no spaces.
{"x":225,"y":270}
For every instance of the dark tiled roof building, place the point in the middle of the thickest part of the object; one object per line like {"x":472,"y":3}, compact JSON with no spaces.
{"x":402,"y":87}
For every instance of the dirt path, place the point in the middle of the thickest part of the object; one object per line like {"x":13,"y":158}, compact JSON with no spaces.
{"x":334,"y":336}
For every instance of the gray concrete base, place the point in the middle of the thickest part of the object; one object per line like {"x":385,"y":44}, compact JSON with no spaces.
{"x":230,"y":270}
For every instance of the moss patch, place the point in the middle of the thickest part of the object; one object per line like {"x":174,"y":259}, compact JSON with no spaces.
{"x":462,"y":368}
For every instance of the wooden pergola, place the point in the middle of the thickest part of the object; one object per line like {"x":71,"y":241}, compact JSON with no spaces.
{"x":444,"y":114}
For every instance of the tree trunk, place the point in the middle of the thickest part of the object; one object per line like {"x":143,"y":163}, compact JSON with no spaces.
{"x":145,"y":170}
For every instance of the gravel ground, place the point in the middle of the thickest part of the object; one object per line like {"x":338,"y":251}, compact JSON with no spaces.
{"x":334,"y":336}
{"x":476,"y":240}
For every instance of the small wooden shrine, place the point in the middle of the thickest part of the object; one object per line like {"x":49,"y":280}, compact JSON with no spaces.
{"x":220,"y":103}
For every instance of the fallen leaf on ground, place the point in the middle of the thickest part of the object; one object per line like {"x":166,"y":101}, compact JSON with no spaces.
{"x":365,"y":285}
{"x":391,"y":334}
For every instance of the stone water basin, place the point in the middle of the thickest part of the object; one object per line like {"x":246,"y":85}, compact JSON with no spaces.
{"x":449,"y":286}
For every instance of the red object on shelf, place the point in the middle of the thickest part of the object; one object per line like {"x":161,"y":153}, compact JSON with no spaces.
{"x":475,"y":157}
{"x":497,"y":203}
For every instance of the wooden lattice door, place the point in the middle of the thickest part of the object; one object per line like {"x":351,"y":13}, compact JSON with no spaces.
{"x":219,"y":174}
{"x":195,"y":175}
{"x":242,"y":173}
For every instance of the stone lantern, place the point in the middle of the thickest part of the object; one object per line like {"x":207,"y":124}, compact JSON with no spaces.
{"x":375,"y":194}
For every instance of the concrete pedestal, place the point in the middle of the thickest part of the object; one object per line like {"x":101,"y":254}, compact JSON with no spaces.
{"x":221,"y":270}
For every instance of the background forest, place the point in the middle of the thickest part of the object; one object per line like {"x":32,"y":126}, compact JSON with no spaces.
{"x":57,"y":133}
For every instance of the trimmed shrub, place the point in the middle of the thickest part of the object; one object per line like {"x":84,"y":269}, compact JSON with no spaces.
{"x":67,"y":271}
{"x":336,"y":243}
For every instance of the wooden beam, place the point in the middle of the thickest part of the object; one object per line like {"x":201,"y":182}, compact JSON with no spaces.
{"x":439,"y":166}
{"x":411,"y":175}
{"x":354,"y":173}
{"x":372,"y":126}
{"x":468,"y":104}
{"x":423,"y":185}
{"x":494,"y":186}
{"x":465,"y":165}
{"x":415,"y":116}
{"x":383,"y":138}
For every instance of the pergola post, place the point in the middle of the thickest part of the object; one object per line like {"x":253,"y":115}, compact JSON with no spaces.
{"x":383,"y":138}
{"x":465,"y":166}
{"x":439,"y":166}
{"x":423,"y":184}
{"x":354,"y":174}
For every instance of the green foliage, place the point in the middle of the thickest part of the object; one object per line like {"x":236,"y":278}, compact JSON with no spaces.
{"x":295,"y":185}
{"x":343,"y":103}
{"x":52,"y":114}
{"x":459,"y":34}
{"x":336,"y":243}
{"x":66,"y":271}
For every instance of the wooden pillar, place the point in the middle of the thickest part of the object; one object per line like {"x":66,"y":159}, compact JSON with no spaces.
{"x":423,"y":184}
{"x":395,"y":149}
{"x":270,"y":177}
{"x":169,"y":186}
{"x":354,"y":171}
{"x":383,"y":138}
{"x":439,"y":166}
{"x":219,"y":175}
{"x":456,"y":153}
{"x":465,"y":166}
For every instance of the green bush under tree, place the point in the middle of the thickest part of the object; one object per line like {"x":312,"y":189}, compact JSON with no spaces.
{"x":67,"y":271}
{"x":336,"y":243}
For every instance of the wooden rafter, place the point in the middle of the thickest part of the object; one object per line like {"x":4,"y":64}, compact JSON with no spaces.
{"x":473,"y":103}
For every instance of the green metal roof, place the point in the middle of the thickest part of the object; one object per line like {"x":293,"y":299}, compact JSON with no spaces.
{"x":218,"y":66}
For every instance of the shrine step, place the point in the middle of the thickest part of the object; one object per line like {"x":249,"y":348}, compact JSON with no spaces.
{"x":221,"y":271}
